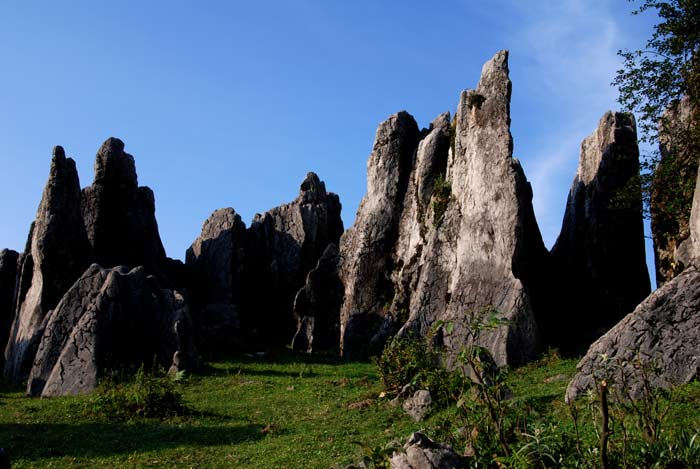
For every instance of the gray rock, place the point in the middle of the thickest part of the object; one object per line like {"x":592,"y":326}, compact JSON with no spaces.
{"x":8,"y":281}
{"x":283,"y":246}
{"x":487,"y":252}
{"x":672,"y":187}
{"x":109,"y":319}
{"x":688,"y":252}
{"x":662,"y":334}
{"x":119,"y":216}
{"x":420,"y":452}
{"x":418,"y":406}
{"x":367,"y":247}
{"x":57,"y":252}
{"x":317,"y":305}
{"x":600,"y":250}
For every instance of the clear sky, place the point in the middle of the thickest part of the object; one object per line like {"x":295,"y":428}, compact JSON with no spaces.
{"x":231,"y":103}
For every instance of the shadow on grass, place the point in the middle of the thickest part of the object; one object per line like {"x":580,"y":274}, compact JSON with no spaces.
{"x":38,"y":441}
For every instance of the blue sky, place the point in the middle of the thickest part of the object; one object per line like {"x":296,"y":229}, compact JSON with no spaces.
{"x":228,"y":103}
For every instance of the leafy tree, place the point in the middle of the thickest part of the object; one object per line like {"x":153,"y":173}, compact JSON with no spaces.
{"x":661,"y":84}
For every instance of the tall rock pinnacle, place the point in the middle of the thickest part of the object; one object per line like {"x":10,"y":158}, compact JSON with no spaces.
{"x":56,"y":254}
{"x":600,"y":250}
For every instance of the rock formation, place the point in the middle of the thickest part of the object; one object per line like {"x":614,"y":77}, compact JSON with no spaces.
{"x":120,"y":216}
{"x":57,"y":252}
{"x":215,"y":262}
{"x":317,"y":305}
{"x":244,"y":281}
{"x":107,"y":320}
{"x":660,"y":337}
{"x":476,"y":245}
{"x":8,"y":277}
{"x":673,"y":186}
{"x":600,"y":250}
{"x":367,"y":247}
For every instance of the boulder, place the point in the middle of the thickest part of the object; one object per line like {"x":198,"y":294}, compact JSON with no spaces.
{"x":283,"y":245}
{"x":418,"y":405}
{"x":8,"y":277}
{"x":110,"y":319}
{"x":317,"y":305}
{"x":119,"y":215}
{"x":600,"y":250}
{"x":56,"y":254}
{"x":486,"y":253}
{"x":659,"y":339}
{"x":420,"y":452}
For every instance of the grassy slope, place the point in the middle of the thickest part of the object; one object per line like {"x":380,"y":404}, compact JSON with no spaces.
{"x":284,"y":411}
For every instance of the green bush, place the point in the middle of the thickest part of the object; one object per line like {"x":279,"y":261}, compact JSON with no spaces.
{"x":148,"y":395}
{"x":442,"y":193}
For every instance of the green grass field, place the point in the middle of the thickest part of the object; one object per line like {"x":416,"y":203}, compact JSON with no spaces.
{"x":281,"y":411}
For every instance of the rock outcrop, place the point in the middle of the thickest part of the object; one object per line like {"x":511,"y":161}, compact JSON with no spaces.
{"x":420,"y":452}
{"x":110,"y":318}
{"x":673,"y":186}
{"x":56,"y":254}
{"x":244,"y":282}
{"x":367,"y":248}
{"x":688,"y":252}
{"x":599,"y":254}
{"x":283,"y":245}
{"x":215,"y":262}
{"x":317,"y":305}
{"x":659,"y":339}
{"x":8,"y":277}
{"x":466,"y":242}
{"x":119,"y":215}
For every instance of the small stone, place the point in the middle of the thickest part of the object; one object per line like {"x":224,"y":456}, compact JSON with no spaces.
{"x":418,"y":406}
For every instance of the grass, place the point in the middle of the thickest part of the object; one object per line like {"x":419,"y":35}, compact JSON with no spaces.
{"x":275,"y":412}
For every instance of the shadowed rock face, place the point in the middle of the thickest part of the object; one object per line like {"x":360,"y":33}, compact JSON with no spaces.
{"x":107,"y":320}
{"x":284,"y":244}
{"x":672,"y":187}
{"x":246,"y":280}
{"x":600,"y":250}
{"x":57,"y":252}
{"x":215,"y":261}
{"x":317,"y":305}
{"x":120,"y":216}
{"x":662,"y":334}
{"x":8,"y":277}
{"x":688,"y":253}
{"x":438,"y":248}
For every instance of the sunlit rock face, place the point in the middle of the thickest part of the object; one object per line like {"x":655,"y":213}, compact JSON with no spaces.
{"x":444,"y":232}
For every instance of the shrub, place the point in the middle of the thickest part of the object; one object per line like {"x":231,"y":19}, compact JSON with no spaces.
{"x":148,"y":395}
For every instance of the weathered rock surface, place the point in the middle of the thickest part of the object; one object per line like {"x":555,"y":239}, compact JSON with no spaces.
{"x":662,"y":335}
{"x":672,"y":186}
{"x":243,"y":282}
{"x":283,"y":245}
{"x":688,"y":252}
{"x":110,"y":318}
{"x":317,"y":305}
{"x":599,"y":254}
{"x":418,"y":405}
{"x":420,"y":452}
{"x":215,"y":262}
{"x":367,"y":247}
{"x":119,"y":216}
{"x":56,"y":254}
{"x":487,"y":252}
{"x":8,"y":277}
